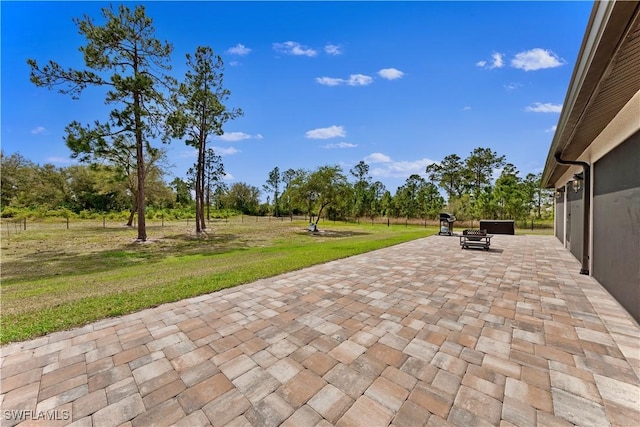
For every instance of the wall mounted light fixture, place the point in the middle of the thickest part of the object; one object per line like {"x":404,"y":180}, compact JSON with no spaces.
{"x":559,"y":192}
{"x":577,"y":182}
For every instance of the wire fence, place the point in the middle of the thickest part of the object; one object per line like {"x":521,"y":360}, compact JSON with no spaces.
{"x":11,"y":226}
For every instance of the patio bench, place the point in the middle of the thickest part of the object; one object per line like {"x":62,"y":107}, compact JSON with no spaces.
{"x":473,"y":238}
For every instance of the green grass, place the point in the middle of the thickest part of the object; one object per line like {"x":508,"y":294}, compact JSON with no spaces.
{"x":55,"y":279}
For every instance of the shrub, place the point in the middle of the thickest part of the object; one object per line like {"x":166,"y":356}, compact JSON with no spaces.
{"x":12,"y":212}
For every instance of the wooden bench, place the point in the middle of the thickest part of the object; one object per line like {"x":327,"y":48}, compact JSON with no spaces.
{"x":475,"y":239}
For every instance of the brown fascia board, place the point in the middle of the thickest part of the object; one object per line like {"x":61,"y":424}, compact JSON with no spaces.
{"x":606,"y":29}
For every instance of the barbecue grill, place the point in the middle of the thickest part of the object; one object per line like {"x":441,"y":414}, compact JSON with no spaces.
{"x":446,"y":224}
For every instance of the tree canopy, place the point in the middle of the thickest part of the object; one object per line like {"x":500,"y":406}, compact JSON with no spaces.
{"x":200,"y":113}
{"x":123,"y":56}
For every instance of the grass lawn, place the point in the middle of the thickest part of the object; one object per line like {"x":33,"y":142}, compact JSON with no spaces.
{"x":54,"y":278}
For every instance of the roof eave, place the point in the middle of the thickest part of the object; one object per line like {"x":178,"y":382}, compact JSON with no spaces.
{"x":594,"y":35}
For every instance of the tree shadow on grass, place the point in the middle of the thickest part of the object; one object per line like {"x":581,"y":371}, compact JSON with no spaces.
{"x":51,"y":263}
{"x":333,"y":233}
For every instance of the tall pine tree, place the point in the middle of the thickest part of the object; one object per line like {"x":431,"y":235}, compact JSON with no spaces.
{"x":124,"y":56}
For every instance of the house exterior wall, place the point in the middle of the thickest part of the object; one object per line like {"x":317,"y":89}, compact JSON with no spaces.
{"x":559,"y":218}
{"x":596,"y":129}
{"x":574,"y":222}
{"x":616,"y":223}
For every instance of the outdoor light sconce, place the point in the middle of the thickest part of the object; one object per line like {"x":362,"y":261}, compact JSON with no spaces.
{"x":559,"y":192}
{"x":577,"y":182}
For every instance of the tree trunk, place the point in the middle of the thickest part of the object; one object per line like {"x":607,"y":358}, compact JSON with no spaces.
{"x":137,"y":107}
{"x":142,"y":226}
{"x":132,"y":212}
{"x":208,"y":198}
{"x":203,"y":225}
{"x":276,"y":204}
{"x":200,"y":224}
{"x":199,"y":189}
{"x":319,"y":213}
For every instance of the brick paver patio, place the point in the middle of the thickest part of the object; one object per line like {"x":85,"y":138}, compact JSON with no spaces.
{"x":422,"y":333}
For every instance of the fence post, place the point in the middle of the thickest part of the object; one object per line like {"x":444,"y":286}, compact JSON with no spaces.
{"x":104,"y":221}
{"x":25,"y":223}
{"x":67,"y":223}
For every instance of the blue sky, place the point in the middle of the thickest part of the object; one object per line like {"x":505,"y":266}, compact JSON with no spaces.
{"x":396,"y":84}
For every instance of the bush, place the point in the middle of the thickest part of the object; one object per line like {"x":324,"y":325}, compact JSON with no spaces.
{"x":118,"y":216}
{"x":224,"y":213}
{"x":60,"y":213}
{"x":87,"y":214}
{"x":179,"y":213}
{"x":12,"y":212}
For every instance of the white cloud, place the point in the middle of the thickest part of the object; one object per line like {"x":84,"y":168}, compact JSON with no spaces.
{"x":340,"y":145}
{"x":359,"y":80}
{"x":234,"y":63}
{"x":385,"y":167}
{"x":332,"y":49}
{"x":353,"y":80}
{"x":496,"y":62}
{"x":552,"y":128}
{"x":239,"y":49}
{"x":225,"y":151}
{"x":235,"y":136}
{"x":377,"y":158}
{"x":390,"y":73}
{"x":536,"y":59}
{"x":60,"y":160}
{"x":326,"y":133}
{"x":547,"y":107}
{"x":40,"y":130}
{"x":512,"y":86}
{"x":294,"y":48}
{"x":329,"y":81}
{"x":467,"y":108}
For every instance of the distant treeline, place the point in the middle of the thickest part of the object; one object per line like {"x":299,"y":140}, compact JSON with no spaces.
{"x":328,"y":192}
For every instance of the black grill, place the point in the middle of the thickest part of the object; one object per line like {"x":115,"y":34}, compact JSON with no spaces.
{"x":446,"y":224}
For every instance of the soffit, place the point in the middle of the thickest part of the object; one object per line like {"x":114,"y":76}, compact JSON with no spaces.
{"x":612,"y":79}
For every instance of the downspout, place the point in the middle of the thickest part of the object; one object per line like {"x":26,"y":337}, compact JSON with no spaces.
{"x":586,"y":199}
